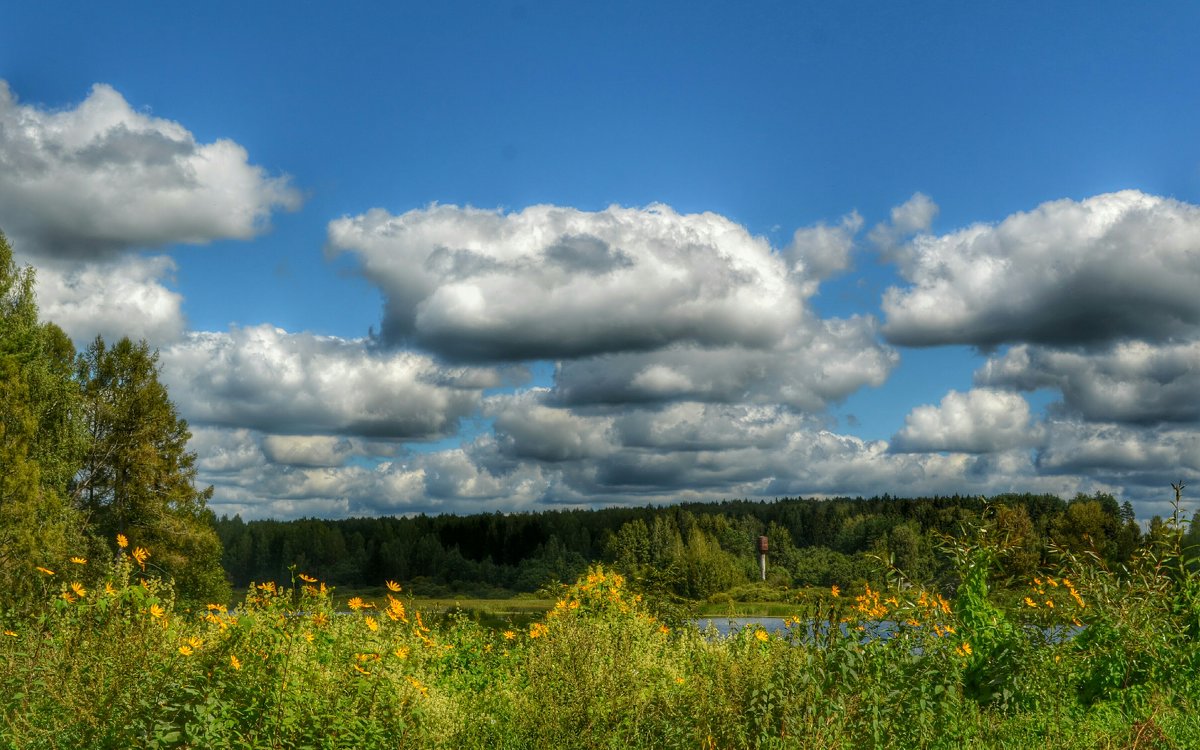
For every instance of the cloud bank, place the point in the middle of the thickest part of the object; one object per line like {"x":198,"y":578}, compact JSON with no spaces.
{"x":689,"y":361}
{"x":652,"y":401}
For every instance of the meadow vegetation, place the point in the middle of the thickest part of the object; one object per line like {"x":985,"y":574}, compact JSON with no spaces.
{"x":1085,"y":656}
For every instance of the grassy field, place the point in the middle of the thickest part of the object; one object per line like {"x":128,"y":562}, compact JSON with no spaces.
{"x":491,"y":612}
{"x":104,"y":660}
{"x":745,"y":609}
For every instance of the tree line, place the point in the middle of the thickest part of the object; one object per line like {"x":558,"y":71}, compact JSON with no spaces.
{"x":91,"y":446}
{"x":694,"y":550}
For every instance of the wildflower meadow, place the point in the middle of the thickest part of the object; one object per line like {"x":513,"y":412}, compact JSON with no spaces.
{"x":1078,"y":656}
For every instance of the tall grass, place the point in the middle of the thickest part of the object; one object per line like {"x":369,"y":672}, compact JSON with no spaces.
{"x":1084,"y":657}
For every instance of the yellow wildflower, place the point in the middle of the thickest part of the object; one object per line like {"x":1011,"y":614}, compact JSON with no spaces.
{"x":235,"y":662}
{"x":663,"y":629}
{"x":320,"y":619}
{"x":79,"y":590}
{"x":761,"y":635}
{"x":509,"y":635}
{"x":10,"y":633}
{"x":1050,"y":603}
{"x":122,"y":542}
{"x":417,"y":684}
{"x":185,"y":650}
{"x":216,"y":607}
{"x":109,"y":590}
{"x":537,"y":630}
{"x":307,"y":578}
{"x":140,"y":554}
{"x":395,"y":609}
{"x":1029,"y":602}
{"x":68,"y":597}
{"x":308,"y":636}
{"x":679,"y":680}
{"x":193,"y":641}
{"x":1051,"y":581}
{"x":156,"y":611}
{"x":355,"y":603}
{"x":362,"y":658}
{"x":401,"y":652}
{"x":835,"y":591}
{"x":79,"y":560}
{"x":47,"y":571}
{"x":372,"y":625}
{"x":393,"y":586}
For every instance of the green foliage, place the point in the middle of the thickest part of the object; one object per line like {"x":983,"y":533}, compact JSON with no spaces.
{"x":137,"y":475}
{"x":691,"y":550}
{"x":91,"y":445}
{"x":39,"y":441}
{"x":109,"y":660}
{"x":996,"y":643}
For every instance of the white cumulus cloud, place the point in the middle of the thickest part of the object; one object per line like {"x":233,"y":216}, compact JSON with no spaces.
{"x":981,"y":420}
{"x":124,"y":296}
{"x":267,"y":379}
{"x":86,"y":188}
{"x":557,"y":282}
{"x":1111,"y":267}
{"x":101,"y":177}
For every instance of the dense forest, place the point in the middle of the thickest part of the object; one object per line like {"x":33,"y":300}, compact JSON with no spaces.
{"x":696,"y":550}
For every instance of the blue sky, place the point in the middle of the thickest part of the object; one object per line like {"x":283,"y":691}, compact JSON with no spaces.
{"x":1054,"y":147}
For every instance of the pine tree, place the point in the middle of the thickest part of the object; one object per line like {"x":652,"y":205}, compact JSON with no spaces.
{"x":137,"y":476}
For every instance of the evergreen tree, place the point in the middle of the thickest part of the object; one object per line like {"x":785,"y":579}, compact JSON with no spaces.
{"x":137,"y":476}
{"x":38,"y":440}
